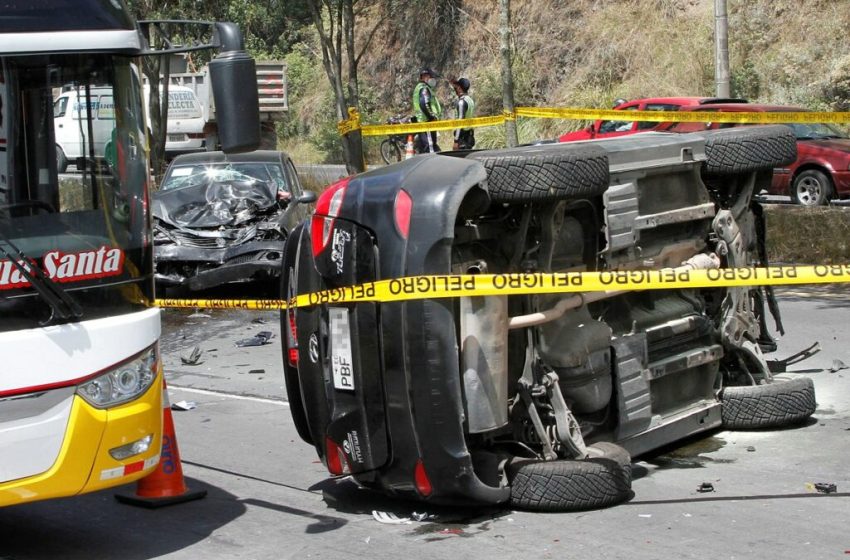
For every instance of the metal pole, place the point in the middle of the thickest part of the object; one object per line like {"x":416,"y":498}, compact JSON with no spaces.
{"x":721,"y":49}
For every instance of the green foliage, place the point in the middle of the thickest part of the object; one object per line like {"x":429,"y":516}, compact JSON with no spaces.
{"x":745,"y":81}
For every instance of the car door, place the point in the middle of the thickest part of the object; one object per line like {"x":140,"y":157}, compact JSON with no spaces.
{"x":299,"y":211}
{"x":612,"y":128}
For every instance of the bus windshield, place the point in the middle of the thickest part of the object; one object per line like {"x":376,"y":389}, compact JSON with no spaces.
{"x":81,"y":237}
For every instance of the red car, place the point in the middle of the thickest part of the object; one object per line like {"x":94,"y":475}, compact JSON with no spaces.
{"x":822,"y":169}
{"x":608,"y":129}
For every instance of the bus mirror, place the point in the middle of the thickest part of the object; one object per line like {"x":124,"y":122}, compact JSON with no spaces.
{"x":237,"y":107}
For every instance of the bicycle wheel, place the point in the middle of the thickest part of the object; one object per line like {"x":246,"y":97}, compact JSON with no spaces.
{"x":390,"y":151}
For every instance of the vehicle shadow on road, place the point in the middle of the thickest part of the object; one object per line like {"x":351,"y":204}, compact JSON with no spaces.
{"x":53,"y":529}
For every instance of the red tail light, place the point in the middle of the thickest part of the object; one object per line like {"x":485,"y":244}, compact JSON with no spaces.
{"x":420,"y":479}
{"x":335,"y":458}
{"x":402,"y":209}
{"x":327,"y":208}
{"x":293,"y":340}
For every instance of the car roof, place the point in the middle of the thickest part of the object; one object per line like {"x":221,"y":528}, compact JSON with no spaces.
{"x":684,"y":101}
{"x":747,"y":107}
{"x":259,"y":156}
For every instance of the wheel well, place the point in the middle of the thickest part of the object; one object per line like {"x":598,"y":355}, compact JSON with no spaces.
{"x":813,"y":167}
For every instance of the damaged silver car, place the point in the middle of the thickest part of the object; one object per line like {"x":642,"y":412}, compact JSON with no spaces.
{"x":222,"y":219}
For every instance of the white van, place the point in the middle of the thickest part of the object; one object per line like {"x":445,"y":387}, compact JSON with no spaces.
{"x":184,"y":130}
{"x":70,"y":125}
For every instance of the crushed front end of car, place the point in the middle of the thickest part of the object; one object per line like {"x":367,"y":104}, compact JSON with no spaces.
{"x":537,"y":400}
{"x":217,"y":229}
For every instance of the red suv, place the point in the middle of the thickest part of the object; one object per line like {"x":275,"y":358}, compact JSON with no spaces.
{"x":608,"y":129}
{"x":822,"y":169}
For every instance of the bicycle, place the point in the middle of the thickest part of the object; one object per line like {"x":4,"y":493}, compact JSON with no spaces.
{"x":392,"y":148}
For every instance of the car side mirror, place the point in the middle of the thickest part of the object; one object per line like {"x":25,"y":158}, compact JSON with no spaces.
{"x":307,"y":197}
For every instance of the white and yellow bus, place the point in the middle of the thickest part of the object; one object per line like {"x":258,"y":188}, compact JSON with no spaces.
{"x":81,"y":377}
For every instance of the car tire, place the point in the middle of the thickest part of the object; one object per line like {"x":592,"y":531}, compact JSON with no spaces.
{"x":773,"y":405}
{"x":811,"y":188}
{"x":545,"y":173}
{"x":745,"y":150}
{"x":290,"y":374}
{"x":61,"y":161}
{"x":565,"y":485}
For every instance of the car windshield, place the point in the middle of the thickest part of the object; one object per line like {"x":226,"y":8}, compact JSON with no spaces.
{"x":815,"y":131}
{"x":85,"y":232}
{"x":182,"y":176}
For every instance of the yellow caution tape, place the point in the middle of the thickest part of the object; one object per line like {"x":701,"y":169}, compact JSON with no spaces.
{"x":446,"y":286}
{"x":353,"y":123}
{"x":686,"y":116}
{"x":414,"y":128}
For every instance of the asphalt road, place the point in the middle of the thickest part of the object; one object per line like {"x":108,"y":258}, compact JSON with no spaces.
{"x":269,"y":497}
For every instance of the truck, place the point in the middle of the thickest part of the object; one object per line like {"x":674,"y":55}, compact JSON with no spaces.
{"x":272,"y":92}
{"x":82,"y":383}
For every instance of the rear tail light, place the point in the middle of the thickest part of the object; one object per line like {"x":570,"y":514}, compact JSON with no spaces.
{"x":327,"y":208}
{"x":293,"y":340}
{"x":402,"y":208}
{"x":336,"y":460}
{"x":421,"y":480}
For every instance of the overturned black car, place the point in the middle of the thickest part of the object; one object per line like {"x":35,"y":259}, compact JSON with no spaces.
{"x":537,"y":400}
{"x":222,"y":218}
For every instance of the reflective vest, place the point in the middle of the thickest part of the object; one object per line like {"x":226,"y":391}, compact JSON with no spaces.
{"x":433,"y":104}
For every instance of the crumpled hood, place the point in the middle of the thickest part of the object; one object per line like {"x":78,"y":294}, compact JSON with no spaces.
{"x":213,"y":204}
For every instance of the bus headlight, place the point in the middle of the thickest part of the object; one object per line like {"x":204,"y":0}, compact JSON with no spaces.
{"x":123,"y":383}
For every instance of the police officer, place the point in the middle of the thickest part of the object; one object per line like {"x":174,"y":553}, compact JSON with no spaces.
{"x":426,"y":108}
{"x":464,"y":109}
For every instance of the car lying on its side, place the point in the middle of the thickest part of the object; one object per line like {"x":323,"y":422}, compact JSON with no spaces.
{"x":535,"y":400}
{"x":221,"y":219}
{"x":821,"y":171}
{"x":611,"y":128}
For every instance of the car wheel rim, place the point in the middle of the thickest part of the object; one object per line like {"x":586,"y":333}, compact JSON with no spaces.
{"x":809,"y":191}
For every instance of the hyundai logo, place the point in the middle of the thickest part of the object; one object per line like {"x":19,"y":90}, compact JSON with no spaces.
{"x":313,"y":348}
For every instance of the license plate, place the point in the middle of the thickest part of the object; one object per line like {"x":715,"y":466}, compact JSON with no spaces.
{"x":343,"y":368}
{"x":176,"y":137}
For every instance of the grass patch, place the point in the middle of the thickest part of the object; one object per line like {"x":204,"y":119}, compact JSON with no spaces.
{"x":808,"y":235}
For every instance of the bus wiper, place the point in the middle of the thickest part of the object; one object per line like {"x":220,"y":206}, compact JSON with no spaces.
{"x":62,"y":305}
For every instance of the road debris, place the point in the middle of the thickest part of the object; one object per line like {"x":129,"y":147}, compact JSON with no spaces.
{"x":705,"y":487}
{"x":199,"y":315}
{"x":838,"y":365}
{"x":825,"y":487}
{"x":184,"y":405}
{"x":259,"y":339}
{"x":389,"y":518}
{"x":257,"y":371}
{"x":193,"y":357}
{"x":751,"y":448}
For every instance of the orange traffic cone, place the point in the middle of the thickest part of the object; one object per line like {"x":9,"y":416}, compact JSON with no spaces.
{"x":164,"y":486}
{"x":408,"y":148}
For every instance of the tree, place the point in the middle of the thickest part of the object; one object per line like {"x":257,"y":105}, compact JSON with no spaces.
{"x":507,"y":73}
{"x":335,"y":24}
